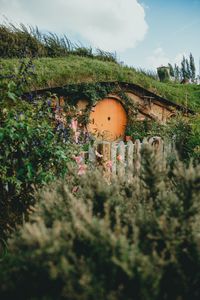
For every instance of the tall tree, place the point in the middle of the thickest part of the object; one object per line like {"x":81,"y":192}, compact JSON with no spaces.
{"x":183,"y":68}
{"x":171,"y":70}
{"x":177,"y":72}
{"x":192,"y":67}
{"x":188,"y":71}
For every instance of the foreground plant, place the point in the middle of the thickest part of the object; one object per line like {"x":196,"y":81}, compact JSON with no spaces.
{"x":136,"y":240}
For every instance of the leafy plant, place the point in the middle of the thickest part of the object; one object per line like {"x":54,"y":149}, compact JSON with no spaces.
{"x":143,"y":129}
{"x":32,"y":153}
{"x":125,"y":240}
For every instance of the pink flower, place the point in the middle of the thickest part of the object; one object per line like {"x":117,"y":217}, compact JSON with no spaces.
{"x":75,"y":189}
{"x":76,"y":136}
{"x":74,"y":124}
{"x":78,"y":159}
{"x":82,"y":169}
{"x":119,"y":157}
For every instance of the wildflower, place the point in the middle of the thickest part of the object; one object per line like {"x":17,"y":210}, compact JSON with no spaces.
{"x":82,"y":169}
{"x":78,"y":159}
{"x":74,"y":124}
{"x":75,"y":189}
{"x":119,"y":157}
{"x":49,"y":102}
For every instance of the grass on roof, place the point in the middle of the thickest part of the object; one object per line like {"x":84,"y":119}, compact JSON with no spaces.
{"x":53,"y":72}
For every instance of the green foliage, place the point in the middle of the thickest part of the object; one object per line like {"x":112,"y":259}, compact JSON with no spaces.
{"x":183,"y":133}
{"x":171,"y":70}
{"x":194,"y":140}
{"x":73,"y":69}
{"x":186,"y":71}
{"x":177,"y":73}
{"x":31,"y":155}
{"x":149,"y":73}
{"x":16,"y":40}
{"x":164,"y":74}
{"x":125,"y":240}
{"x":142,"y":129}
{"x":179,"y":132}
{"x":192,"y":68}
{"x":106,"y":56}
{"x":31,"y":152}
{"x":90,"y":91}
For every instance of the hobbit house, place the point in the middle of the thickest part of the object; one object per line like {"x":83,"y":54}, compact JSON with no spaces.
{"x":108,"y":107}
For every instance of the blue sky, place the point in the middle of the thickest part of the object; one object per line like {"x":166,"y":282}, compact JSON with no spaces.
{"x":144,"y":33}
{"x":173,"y":31}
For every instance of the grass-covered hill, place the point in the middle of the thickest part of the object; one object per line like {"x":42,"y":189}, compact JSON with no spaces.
{"x":60,"y":61}
{"x":52,"y":72}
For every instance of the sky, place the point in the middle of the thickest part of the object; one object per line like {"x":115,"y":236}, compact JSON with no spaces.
{"x":144,"y":33}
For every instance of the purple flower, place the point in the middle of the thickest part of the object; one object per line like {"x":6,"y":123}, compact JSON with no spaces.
{"x":48,"y":102}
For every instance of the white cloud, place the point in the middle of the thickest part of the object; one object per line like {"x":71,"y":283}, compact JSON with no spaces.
{"x":158,"y":58}
{"x":108,"y":24}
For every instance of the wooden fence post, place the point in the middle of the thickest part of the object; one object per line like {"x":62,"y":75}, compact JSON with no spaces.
{"x":129,"y":155}
{"x":161,"y":155}
{"x":124,"y":161}
{"x":159,"y":151}
{"x":91,"y":155}
{"x":104,"y":158}
{"x":144,"y":141}
{"x":137,"y":160}
{"x":121,"y":161}
{"x":114,"y":158}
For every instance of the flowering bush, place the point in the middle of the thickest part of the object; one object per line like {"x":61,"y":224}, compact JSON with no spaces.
{"x":32,"y":151}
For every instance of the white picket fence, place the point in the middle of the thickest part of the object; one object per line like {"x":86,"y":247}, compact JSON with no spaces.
{"x":124,"y":159}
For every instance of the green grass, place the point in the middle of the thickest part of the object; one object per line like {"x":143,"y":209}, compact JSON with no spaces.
{"x":52,"y":72}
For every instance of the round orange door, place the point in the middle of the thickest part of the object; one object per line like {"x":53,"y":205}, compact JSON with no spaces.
{"x":108,"y":120}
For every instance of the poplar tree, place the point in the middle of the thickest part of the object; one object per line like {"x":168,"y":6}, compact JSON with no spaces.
{"x":171,"y":70}
{"x":177,"y":72}
{"x":188,"y":70}
{"x":183,"y":68}
{"x":192,"y":67}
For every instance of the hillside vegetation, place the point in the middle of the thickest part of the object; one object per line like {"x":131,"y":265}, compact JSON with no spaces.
{"x":51,"y":72}
{"x":61,"y":61}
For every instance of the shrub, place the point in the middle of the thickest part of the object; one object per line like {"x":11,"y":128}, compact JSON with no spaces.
{"x":184,"y":133}
{"x":31,"y":155}
{"x":147,"y":128}
{"x":89,"y":239}
{"x":181,"y":132}
{"x":32,"y":152}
